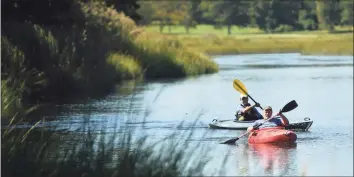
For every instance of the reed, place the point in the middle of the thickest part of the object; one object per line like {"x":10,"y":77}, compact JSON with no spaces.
{"x":324,"y":44}
{"x":87,"y":59}
{"x":111,"y":151}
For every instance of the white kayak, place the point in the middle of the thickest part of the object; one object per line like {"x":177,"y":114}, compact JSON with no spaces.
{"x":243,"y":125}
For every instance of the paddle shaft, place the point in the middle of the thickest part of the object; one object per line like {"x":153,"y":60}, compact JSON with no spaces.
{"x":254,"y":101}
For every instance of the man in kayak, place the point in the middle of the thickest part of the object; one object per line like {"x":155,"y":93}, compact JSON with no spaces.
{"x":246,"y":112}
{"x":278,"y":120}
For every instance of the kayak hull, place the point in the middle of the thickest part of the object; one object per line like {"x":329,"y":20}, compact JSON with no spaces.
{"x":272,"y":135}
{"x":243,"y":125}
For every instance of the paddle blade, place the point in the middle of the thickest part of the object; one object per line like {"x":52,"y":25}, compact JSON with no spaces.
{"x":290,"y":106}
{"x":230,"y":141}
{"x":238,"y":85}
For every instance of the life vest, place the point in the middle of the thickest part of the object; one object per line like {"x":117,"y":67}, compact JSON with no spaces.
{"x":249,"y":116}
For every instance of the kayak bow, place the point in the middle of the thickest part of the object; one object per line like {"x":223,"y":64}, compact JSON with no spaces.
{"x":272,"y":135}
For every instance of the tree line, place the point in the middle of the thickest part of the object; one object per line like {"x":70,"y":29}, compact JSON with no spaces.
{"x":268,"y":15}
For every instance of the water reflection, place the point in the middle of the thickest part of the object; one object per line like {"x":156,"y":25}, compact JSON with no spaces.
{"x":273,"y":158}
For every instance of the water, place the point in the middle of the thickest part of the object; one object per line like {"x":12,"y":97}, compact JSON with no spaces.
{"x":321,"y":85}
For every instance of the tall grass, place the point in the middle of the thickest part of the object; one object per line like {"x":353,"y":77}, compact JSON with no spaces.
{"x":329,"y":44}
{"x":203,"y":29}
{"x":48,"y":151}
{"x":88,"y":58}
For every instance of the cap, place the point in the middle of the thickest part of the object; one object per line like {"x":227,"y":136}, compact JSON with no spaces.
{"x":268,"y":107}
{"x":243,"y":96}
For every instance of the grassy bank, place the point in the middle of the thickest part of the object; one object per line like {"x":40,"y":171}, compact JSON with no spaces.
{"x":203,"y":29}
{"x":252,"y":40}
{"x":328,"y":44}
{"x":58,"y":62}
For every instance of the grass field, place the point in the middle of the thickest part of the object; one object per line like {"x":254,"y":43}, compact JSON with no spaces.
{"x":202,"y":29}
{"x":205,"y":29}
{"x":251,"y":40}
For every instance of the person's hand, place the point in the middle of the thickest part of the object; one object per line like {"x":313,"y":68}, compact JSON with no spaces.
{"x":279,"y":113}
{"x":257,"y":105}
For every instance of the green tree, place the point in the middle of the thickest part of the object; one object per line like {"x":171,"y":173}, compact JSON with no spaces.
{"x":286,"y":12}
{"x":347,"y":12}
{"x":231,"y":13}
{"x":169,"y":13}
{"x":206,"y":8}
{"x":264,"y":15}
{"x":307,"y":15}
{"x":193,"y":14}
{"x":129,"y":7}
{"x":42,"y":12}
{"x":328,"y":14}
{"x":147,"y":12}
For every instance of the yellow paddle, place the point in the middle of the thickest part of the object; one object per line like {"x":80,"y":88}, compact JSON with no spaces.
{"x":238,"y":85}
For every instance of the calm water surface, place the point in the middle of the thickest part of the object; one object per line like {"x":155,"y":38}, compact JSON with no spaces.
{"x":321,"y":85}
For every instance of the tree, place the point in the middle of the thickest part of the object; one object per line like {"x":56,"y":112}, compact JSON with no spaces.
{"x":42,"y":12}
{"x":147,"y":12}
{"x":347,"y":12}
{"x":129,"y":7}
{"x":169,"y":13}
{"x":193,"y":14}
{"x":307,"y":15}
{"x":264,"y":15}
{"x":328,"y":13}
{"x":286,"y":12}
{"x":231,"y":13}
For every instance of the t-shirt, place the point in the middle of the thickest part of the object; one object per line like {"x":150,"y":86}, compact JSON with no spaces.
{"x":274,"y":122}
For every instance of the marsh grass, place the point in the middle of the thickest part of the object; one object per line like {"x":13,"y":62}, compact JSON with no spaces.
{"x":109,"y":150}
{"x":329,"y":44}
{"x":209,"y":40}
{"x":176,"y":60}
{"x":127,"y":66}
{"x":88,"y":58}
{"x":203,"y":29}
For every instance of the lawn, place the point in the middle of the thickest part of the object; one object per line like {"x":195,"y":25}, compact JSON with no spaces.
{"x":207,"y":39}
{"x":235,"y":30}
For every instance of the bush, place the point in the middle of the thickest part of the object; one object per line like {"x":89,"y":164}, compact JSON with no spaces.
{"x":283,"y":28}
{"x":126,"y":66}
{"x":102,"y":48}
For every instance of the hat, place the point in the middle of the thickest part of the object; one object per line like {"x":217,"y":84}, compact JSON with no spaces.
{"x":243,"y":96}
{"x":268,"y":107}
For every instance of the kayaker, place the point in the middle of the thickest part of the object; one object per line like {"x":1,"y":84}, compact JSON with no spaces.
{"x":246,"y":111}
{"x":278,"y":120}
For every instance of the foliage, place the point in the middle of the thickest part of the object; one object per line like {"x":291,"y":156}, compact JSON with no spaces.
{"x":265,"y":14}
{"x":50,"y":151}
{"x":44,"y":62}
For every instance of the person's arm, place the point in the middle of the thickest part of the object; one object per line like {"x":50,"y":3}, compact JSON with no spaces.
{"x":283,"y":119}
{"x":248,"y":108}
{"x":252,"y":127}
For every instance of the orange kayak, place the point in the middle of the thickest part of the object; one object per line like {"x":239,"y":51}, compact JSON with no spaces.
{"x":272,"y":135}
